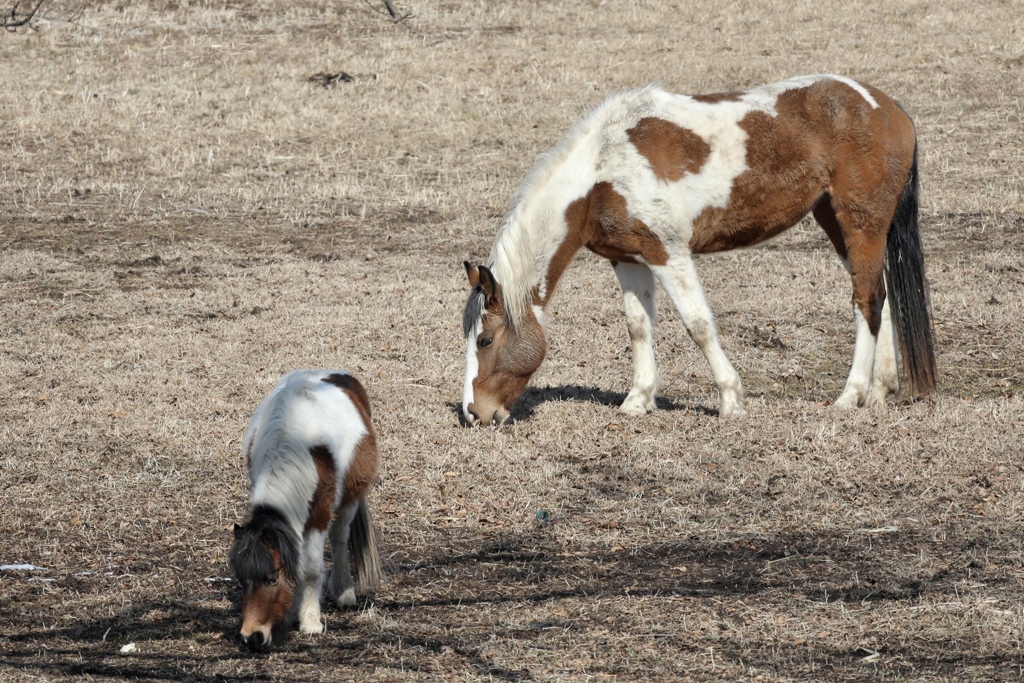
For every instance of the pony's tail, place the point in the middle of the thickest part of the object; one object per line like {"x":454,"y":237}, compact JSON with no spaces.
{"x":362,"y":547}
{"x":908,"y":289}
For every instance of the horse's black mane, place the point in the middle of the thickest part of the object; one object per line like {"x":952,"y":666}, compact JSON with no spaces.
{"x":473,"y":311}
{"x":250,"y":560}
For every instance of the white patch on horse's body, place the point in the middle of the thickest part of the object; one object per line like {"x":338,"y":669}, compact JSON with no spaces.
{"x":861,"y":90}
{"x":301,"y":412}
{"x":538,"y":312}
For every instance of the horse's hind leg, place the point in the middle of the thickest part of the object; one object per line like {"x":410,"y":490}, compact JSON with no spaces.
{"x":885,"y":377}
{"x":341,"y":587}
{"x":679,"y":278}
{"x":310,"y":583}
{"x":859,"y":239}
{"x":856,"y":390}
{"x":637,"y":282}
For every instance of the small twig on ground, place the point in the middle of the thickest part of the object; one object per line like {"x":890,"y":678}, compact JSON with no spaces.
{"x":393,"y":11}
{"x":328,"y":79}
{"x":12,"y":22}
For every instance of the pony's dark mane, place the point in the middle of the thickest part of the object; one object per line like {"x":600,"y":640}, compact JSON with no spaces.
{"x":474,"y":309}
{"x":250,"y":559}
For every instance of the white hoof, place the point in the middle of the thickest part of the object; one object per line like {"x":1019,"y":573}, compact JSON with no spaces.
{"x":876,"y":397}
{"x":637,"y":404}
{"x":731,"y":404}
{"x":881,"y":388}
{"x":730,"y":412}
{"x":309,"y":625}
{"x":848,"y":400}
{"x":347,"y":598}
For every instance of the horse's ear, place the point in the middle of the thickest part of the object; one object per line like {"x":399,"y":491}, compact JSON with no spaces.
{"x":490,"y":286}
{"x":473,"y":273}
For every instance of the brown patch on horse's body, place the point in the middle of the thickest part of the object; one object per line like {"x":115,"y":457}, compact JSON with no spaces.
{"x":616,"y":235}
{"x":601,"y":222}
{"x":671,"y":150}
{"x":321,"y":507}
{"x":362,"y":471}
{"x":715,"y":98}
{"x":810,"y":157}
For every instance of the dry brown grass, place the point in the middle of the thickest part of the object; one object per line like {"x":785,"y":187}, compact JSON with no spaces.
{"x":185,"y":217}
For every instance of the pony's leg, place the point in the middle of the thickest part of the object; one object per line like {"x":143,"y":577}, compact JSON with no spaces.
{"x":885,"y":378}
{"x":310,"y":583}
{"x":679,"y":278}
{"x":637,"y":282}
{"x":340,"y":588}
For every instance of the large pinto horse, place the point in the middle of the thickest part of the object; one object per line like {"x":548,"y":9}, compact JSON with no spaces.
{"x":312,"y":458}
{"x":650,"y":178}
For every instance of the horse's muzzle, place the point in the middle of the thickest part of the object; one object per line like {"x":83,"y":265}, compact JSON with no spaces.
{"x":496,"y":419}
{"x":256,"y":641}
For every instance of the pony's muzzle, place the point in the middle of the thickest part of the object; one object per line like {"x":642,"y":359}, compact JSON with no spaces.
{"x":257,"y":640}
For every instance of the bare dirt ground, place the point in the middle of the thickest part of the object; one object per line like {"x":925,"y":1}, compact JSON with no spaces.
{"x":185,"y":216}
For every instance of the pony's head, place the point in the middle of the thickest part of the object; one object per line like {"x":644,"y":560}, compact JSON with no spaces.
{"x":264,"y":558}
{"x":501,"y":355}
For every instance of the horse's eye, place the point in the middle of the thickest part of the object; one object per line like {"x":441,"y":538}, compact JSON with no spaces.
{"x":272,"y":581}
{"x":485,"y":342}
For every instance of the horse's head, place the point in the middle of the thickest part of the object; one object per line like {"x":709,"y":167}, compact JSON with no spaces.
{"x":264,"y":558}
{"x":500,"y":357}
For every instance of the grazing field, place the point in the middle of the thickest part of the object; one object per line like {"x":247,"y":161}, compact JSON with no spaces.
{"x":193,"y":202}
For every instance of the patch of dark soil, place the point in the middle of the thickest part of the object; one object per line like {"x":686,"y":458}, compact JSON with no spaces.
{"x":400,"y":228}
{"x":763,"y":337}
{"x":951,"y":232}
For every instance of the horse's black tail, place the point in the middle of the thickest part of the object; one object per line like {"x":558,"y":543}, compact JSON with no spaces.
{"x":362,"y":547}
{"x":908,"y":289}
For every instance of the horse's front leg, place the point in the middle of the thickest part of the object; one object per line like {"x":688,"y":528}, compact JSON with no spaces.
{"x":311,"y":570}
{"x":637,"y":282}
{"x":679,"y":278}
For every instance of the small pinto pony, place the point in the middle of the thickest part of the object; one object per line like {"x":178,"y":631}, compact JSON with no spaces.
{"x":312,"y":458}
{"x":650,"y":178}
